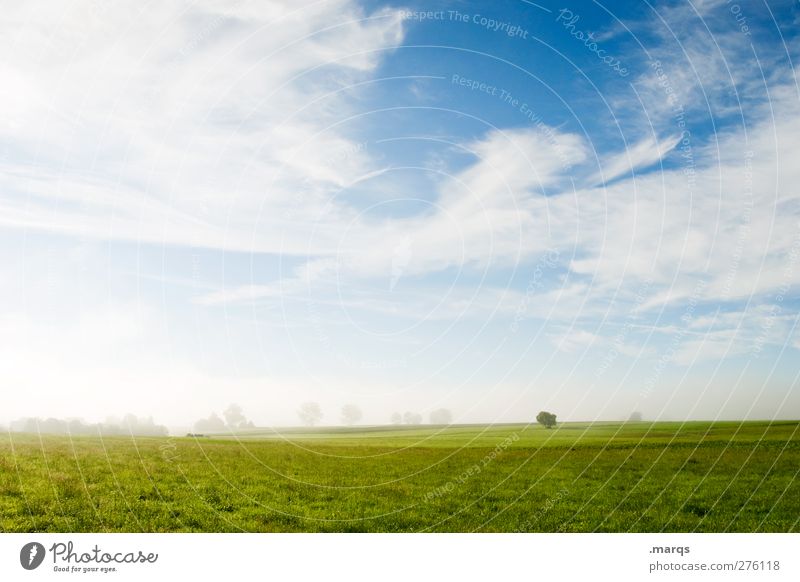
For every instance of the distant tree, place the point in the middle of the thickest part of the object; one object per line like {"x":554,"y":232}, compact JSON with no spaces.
{"x":310,"y":413}
{"x":635,"y":417}
{"x":234,"y":416}
{"x":129,"y":422}
{"x":211,"y":424}
{"x":546,"y":419}
{"x":53,"y":426}
{"x":75,"y":426}
{"x":351,"y":414}
{"x":30,"y":425}
{"x":23,"y":425}
{"x":441,"y":416}
{"x":397,"y":418}
{"x":141,"y":426}
{"x":412,"y":418}
{"x":133,"y":425}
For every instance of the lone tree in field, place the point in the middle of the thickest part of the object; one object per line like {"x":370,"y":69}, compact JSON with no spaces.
{"x":310,"y":413}
{"x":546,"y":419}
{"x":635,"y":417}
{"x":397,"y":418}
{"x":351,"y":414}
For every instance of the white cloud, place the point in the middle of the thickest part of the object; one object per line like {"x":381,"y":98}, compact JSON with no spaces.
{"x":574,"y":340}
{"x":181,"y":132}
{"x":638,"y":156}
{"x":185,"y":124}
{"x":721,"y":230}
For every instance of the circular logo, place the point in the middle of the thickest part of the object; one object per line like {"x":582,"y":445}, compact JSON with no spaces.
{"x":31,"y":555}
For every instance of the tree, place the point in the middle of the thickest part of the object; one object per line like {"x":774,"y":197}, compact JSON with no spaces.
{"x":310,"y":413}
{"x":635,"y":417}
{"x":441,"y":416}
{"x":397,"y":418}
{"x":412,"y":418}
{"x":546,"y":419}
{"x":235,"y":418}
{"x":131,"y":424}
{"x":351,"y":414}
{"x":52,"y":426}
{"x":211,"y":424}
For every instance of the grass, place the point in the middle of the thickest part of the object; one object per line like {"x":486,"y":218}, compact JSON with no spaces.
{"x":695,"y":476}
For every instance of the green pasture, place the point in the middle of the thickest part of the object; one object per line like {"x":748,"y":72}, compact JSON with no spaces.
{"x":617,"y":477}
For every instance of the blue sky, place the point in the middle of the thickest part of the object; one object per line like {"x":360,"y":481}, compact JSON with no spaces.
{"x":405,"y":206}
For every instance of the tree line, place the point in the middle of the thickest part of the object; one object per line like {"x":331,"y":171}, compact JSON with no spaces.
{"x":311,"y":414}
{"x":128,"y":425}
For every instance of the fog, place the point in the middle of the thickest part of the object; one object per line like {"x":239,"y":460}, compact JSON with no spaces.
{"x":690,"y":402}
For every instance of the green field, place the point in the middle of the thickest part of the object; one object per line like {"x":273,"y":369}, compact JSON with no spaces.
{"x":696,"y":476}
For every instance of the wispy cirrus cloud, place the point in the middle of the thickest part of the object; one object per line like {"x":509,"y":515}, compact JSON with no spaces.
{"x":181,"y":124}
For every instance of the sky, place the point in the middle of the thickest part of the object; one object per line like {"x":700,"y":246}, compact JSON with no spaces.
{"x":495,"y":208}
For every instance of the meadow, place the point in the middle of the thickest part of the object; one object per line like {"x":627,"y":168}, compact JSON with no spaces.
{"x":578,"y":477}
